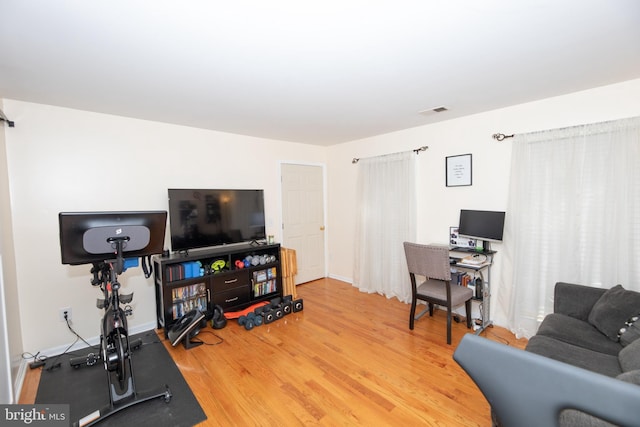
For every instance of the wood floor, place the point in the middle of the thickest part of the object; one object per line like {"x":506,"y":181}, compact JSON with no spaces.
{"x":348,"y":358}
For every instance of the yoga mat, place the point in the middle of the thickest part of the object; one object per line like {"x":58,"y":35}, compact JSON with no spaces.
{"x":85,"y":388}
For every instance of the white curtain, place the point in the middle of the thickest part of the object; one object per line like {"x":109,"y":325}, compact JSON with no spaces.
{"x":386,"y":217}
{"x":573,"y":215}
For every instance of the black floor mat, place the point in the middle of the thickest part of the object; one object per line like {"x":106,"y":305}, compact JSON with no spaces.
{"x":85,"y":389}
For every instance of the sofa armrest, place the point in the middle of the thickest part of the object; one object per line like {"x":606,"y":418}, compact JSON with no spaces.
{"x":526,"y":389}
{"x":575,"y":300}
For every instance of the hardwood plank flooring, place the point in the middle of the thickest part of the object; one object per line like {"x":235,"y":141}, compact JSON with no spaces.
{"x":348,"y":358}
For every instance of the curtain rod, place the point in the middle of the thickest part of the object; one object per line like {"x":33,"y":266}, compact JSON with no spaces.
{"x":417,"y":151}
{"x":4,"y":118}
{"x":501,"y":136}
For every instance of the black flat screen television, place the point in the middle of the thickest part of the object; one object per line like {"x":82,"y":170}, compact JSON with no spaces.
{"x":201,"y":218}
{"x":88,"y":237}
{"x":487,"y":226}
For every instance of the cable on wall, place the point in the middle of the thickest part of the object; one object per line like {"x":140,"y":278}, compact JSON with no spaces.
{"x":417,"y":151}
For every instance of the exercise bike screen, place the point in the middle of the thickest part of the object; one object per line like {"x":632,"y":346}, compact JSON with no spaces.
{"x":87,"y":237}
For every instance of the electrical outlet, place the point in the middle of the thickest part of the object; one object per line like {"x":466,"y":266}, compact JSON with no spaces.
{"x":64,"y":310}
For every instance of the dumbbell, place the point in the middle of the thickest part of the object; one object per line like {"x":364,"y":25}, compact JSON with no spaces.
{"x":250,"y":321}
{"x":277,"y":307}
{"x":247,"y":321}
{"x":267,"y":312}
{"x":257,"y":319}
{"x":260,"y":311}
{"x":287,"y":304}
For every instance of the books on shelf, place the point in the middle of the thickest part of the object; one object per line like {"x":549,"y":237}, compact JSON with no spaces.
{"x":468,"y":281}
{"x":187,"y":298}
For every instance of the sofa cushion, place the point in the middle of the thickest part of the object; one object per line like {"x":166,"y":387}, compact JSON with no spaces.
{"x":575,"y":418}
{"x":613,"y":309}
{"x":630,"y":331}
{"x":577,"y":332}
{"x":632,"y":377}
{"x":575,"y":300}
{"x":602,"y":363}
{"x":629,"y":357}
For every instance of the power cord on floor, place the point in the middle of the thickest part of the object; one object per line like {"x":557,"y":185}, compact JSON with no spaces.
{"x":66,"y":318}
{"x":198,"y":340}
{"x":55,"y":363}
{"x":38,"y":359}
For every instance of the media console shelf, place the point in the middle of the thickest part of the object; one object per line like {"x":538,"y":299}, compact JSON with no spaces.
{"x":204,"y":278}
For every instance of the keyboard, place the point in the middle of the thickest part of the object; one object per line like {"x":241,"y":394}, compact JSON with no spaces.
{"x":474,"y":260}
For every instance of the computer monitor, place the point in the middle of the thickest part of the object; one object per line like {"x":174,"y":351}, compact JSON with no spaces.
{"x":487,"y":226}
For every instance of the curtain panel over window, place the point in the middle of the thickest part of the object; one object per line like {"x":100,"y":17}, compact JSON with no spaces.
{"x":386,"y":217}
{"x":573,"y":215}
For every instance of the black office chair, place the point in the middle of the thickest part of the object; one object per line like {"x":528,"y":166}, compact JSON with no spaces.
{"x":432,"y":262}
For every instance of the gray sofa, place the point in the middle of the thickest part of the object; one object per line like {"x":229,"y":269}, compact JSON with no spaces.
{"x":589,"y":328}
{"x":595,"y":333}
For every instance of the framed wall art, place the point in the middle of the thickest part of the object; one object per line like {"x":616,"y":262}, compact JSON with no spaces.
{"x":458,"y":170}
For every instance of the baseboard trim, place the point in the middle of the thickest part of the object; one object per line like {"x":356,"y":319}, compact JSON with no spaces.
{"x":341,"y":278}
{"x":17,"y":385}
{"x":94,"y":341}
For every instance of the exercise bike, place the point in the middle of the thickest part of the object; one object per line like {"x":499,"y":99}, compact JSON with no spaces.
{"x":115,"y":347}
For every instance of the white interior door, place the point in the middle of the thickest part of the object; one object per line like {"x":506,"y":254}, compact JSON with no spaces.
{"x":303,"y":218}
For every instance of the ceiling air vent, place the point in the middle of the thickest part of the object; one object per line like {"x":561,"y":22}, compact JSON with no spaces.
{"x":433,"y":110}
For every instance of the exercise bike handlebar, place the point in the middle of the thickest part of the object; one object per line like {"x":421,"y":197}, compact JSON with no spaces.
{"x":119,"y":243}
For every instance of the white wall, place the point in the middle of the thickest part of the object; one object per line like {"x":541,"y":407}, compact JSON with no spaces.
{"x":64,"y":160}
{"x":438,"y":205}
{"x":67,"y":160}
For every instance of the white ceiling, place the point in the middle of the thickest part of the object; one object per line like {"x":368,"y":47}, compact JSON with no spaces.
{"x":316,"y":72}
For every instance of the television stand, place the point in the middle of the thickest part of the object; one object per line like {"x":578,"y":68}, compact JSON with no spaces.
{"x":233,"y":277}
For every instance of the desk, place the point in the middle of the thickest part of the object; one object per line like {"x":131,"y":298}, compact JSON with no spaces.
{"x":485,"y":260}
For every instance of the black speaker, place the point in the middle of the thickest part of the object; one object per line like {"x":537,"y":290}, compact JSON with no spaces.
{"x":298,"y":305}
{"x":219,"y":320}
{"x":479,"y":288}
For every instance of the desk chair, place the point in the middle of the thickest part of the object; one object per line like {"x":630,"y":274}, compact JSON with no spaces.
{"x":432,"y":262}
